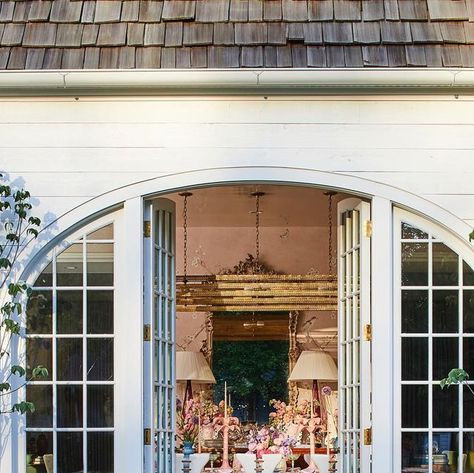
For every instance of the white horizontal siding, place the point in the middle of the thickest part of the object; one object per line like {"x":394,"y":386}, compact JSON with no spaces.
{"x":67,"y":151}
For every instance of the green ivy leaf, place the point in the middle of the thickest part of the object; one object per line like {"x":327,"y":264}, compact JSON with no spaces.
{"x":40,"y":371}
{"x":5,"y":386}
{"x":471,"y":236}
{"x":18,"y":370}
{"x":23,"y":407}
{"x":12,"y":326}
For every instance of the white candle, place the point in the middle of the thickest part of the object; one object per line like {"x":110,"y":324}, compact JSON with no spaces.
{"x":312,"y":408}
{"x":230,"y":404}
{"x":225,"y":399}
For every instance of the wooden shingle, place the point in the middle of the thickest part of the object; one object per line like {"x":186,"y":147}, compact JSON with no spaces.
{"x":320,"y":10}
{"x":73,"y":58}
{"x":425,"y":32}
{"x":91,"y":58}
{"x":272,"y":10}
{"x":284,"y":56}
{"x":366,"y":32}
{"x":35,"y":57}
{"x":391,"y":10}
{"x":239,"y":10}
{"x":183,"y":58}
{"x":316,"y":56}
{"x":469,"y":32}
{"x":199,"y":57}
{"x":89,"y":35}
{"x":127,"y":57}
{"x":223,"y":56}
{"x":154,"y":34}
{"x":452,"y":32}
{"x":88,"y":12}
{"x":295,"y":10}
{"x":17,"y":59}
{"x":135,"y":34}
{"x":112,"y":34}
{"x":467,"y":55}
{"x":174,"y":34}
{"x":250,"y":33}
{"x":69,"y":35}
{"x":396,"y":32}
{"x":299,"y":56}
{"x":39,"y":11}
{"x":66,"y":11}
{"x":40,"y":34}
{"x":22,"y":9}
{"x":372,"y":10}
{"x":168,"y":58}
{"x":130,"y":9}
{"x":415,"y":55}
{"x":375,"y":56}
{"x":107,"y":11}
{"x":212,"y":11}
{"x":335,"y":56}
{"x":451,"y":55}
{"x":277,"y":33}
{"x":347,"y":10}
{"x":109,"y":58}
{"x":178,"y":10}
{"x":252,"y":56}
{"x":255,"y":10}
{"x":198,"y":33}
{"x":150,"y":10}
{"x":353,"y":56}
{"x":413,"y":10}
{"x":223,"y":34}
{"x":12,"y":34}
{"x":433,"y":55}
{"x":313,"y":33}
{"x":270,"y":56}
{"x":447,"y":10}
{"x":339,"y":33}
{"x":396,"y":56}
{"x":6,"y":11}
{"x":4,"y":54}
{"x":295,"y":32}
{"x":53,"y":58}
{"x":148,"y":58}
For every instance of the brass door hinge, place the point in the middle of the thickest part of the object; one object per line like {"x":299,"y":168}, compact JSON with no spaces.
{"x":368,"y":436}
{"x":368,"y":228}
{"x":368,"y":332}
{"x":146,"y":333}
{"x":147,"y":229}
{"x":147,"y":436}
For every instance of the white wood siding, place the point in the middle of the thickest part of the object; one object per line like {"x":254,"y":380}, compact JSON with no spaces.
{"x":67,"y":151}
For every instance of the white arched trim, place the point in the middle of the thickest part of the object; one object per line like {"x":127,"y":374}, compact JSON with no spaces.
{"x":256,"y":174}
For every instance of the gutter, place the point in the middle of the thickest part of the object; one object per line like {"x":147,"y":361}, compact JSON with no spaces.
{"x":237,"y":81}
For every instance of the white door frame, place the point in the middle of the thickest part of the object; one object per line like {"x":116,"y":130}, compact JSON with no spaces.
{"x":382,"y":198}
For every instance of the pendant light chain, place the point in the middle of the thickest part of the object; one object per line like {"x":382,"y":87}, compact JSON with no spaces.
{"x":330,"y":195}
{"x":257,"y":196}
{"x":185,"y":234}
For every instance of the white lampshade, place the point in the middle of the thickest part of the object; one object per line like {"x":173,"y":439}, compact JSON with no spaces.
{"x":192,"y":366}
{"x":312,"y":365}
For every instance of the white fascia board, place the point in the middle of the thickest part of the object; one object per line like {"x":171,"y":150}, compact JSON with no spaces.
{"x":239,"y":81}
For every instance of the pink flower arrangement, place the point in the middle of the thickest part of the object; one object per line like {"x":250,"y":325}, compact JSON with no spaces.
{"x":269,"y":440}
{"x":187,"y":420}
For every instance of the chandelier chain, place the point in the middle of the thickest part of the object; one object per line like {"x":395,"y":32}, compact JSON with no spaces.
{"x":257,"y":228}
{"x":185,"y":195}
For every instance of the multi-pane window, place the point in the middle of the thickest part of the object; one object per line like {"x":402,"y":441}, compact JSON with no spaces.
{"x":70,"y":330}
{"x":437,"y":334}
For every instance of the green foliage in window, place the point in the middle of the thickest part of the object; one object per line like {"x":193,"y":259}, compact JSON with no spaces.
{"x":17,"y":229}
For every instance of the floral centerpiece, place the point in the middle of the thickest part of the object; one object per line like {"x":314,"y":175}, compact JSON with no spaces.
{"x":187,"y":420}
{"x":267,"y":440}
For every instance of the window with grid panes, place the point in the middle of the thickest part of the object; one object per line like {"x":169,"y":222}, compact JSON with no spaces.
{"x":437,"y":334}
{"x":70,"y":330}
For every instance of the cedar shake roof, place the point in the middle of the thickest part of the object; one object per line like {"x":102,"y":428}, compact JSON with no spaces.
{"x":114,"y":34}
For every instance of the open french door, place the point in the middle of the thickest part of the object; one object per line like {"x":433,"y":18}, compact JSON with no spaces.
{"x":159,"y":336}
{"x":354,"y":336}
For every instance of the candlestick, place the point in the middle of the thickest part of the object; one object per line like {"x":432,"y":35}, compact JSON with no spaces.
{"x":225,"y":399}
{"x":199,"y":431}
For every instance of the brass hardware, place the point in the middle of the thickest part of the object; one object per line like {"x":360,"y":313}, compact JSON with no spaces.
{"x":368,"y":332}
{"x":147,"y":436}
{"x":368,"y":436}
{"x":146,"y":332}
{"x":368,"y":229}
{"x":147,"y":229}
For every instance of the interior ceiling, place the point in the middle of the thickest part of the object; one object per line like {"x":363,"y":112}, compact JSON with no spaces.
{"x":234,"y":206}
